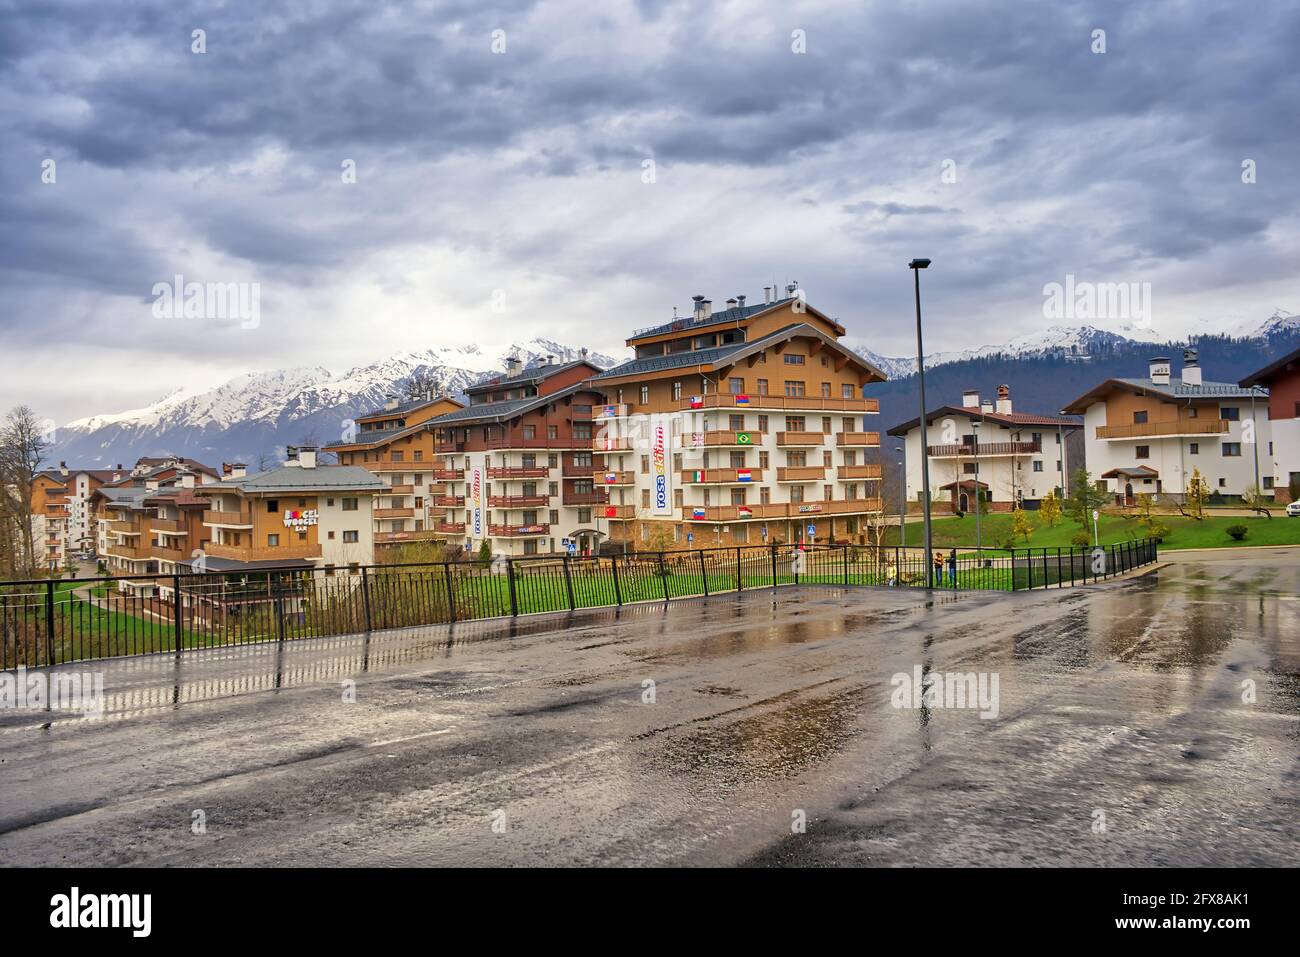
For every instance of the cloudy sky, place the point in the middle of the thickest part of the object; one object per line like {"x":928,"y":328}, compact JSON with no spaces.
{"x":503,"y":190}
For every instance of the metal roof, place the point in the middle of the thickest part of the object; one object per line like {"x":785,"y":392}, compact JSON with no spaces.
{"x":500,"y":411}
{"x":683,"y":323}
{"x":291,"y":478}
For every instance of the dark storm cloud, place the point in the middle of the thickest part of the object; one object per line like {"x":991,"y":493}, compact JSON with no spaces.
{"x":1065,"y":159}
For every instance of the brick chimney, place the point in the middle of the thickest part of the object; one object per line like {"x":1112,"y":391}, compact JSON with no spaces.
{"x":1004,"y":400}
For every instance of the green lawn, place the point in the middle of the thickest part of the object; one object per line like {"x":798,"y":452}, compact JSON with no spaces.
{"x":1210,"y":532}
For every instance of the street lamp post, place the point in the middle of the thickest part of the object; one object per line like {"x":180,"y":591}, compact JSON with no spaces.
{"x":902,"y":500}
{"x":975,"y":427}
{"x":916,"y":265}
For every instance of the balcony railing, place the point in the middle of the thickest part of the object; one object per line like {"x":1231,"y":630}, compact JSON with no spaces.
{"x":800,"y":438}
{"x":721,"y":476}
{"x":719,"y":438}
{"x":518,"y":501}
{"x":390,"y":538}
{"x":450,"y":528}
{"x":857,"y":438}
{"x":394,"y":513}
{"x":573,"y":470}
{"x":123,"y":528}
{"x":596,"y":497}
{"x":171,"y":554}
{"x":448,"y":501}
{"x":613,"y":478}
{"x":518,"y":471}
{"x":518,"y":531}
{"x":795,"y":510}
{"x":249,"y":553}
{"x":449,"y":475}
{"x":853,"y":473}
{"x":617,"y":411}
{"x":171,"y":526}
{"x":780,"y":402}
{"x":400,"y":490}
{"x":1142,"y":430}
{"x":612,"y":444}
{"x":620,"y":513}
{"x":986,"y":449}
{"x":136,"y":552}
{"x":801,"y":473}
{"x":236,"y":519}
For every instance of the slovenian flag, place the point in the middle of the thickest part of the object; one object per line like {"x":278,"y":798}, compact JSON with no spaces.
{"x":742,"y":475}
{"x":742,"y":400}
{"x":697,"y":402}
{"x":745,"y":512}
{"x":611,"y":478}
{"x":698,"y":513}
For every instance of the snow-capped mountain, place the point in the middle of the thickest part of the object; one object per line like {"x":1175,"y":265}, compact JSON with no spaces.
{"x":1084,"y":341}
{"x":252,"y":417}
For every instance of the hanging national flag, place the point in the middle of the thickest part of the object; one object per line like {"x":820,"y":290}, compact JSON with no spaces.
{"x":698,"y":513}
{"x":744,"y":438}
{"x":745,"y":512}
{"x":697,"y":440}
{"x":742,"y":475}
{"x":611,"y":478}
{"x":697,"y":402}
{"x":611,"y":411}
{"x":611,"y":511}
{"x":742,"y":400}
{"x":697,"y":476}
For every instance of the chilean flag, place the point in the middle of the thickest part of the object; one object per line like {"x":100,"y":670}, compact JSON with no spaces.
{"x":742,"y":475}
{"x":745,"y":512}
{"x":698,"y":513}
{"x":742,"y":400}
{"x":697,"y":402}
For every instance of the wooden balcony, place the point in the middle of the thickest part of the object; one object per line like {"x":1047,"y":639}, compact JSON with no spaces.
{"x":448,"y":501}
{"x":801,"y":473}
{"x":595,"y":497}
{"x":450,"y":528}
{"x":518,"y":531}
{"x":171,"y":554}
{"x":169,"y":526}
{"x":250,"y":553}
{"x":573,"y":470}
{"x":986,"y":450}
{"x":722,"y":438}
{"x":400,"y":490}
{"x":134,"y":552}
{"x":721,"y":476}
{"x":449,"y":475}
{"x":857,"y":438}
{"x":1144,"y":430}
{"x":617,"y":411}
{"x":395,"y":538}
{"x":518,"y":501}
{"x":856,"y":473}
{"x":229,"y":519}
{"x":123,"y":528}
{"x":394,"y":513}
{"x":800,"y":438}
{"x":780,"y":510}
{"x":618,"y":478}
{"x":780,"y":403}
{"x":611,"y":444}
{"x":518,"y":472}
{"x":619,"y":513}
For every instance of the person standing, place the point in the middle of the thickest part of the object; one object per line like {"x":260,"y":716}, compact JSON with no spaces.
{"x":952,"y":568}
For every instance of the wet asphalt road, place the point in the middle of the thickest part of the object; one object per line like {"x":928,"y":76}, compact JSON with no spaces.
{"x":1124,"y":700}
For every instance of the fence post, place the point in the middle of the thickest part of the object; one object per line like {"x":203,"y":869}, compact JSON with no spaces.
{"x":510,"y":580}
{"x":618,"y":592}
{"x":451,"y":593}
{"x":365,"y":595}
{"x":773,"y":547}
{"x":568,"y":582}
{"x":1029,"y":565}
{"x":663,"y":575}
{"x":49,"y":621}
{"x":739,"y":586}
{"x":176,"y":609}
{"x":277,"y":605}
{"x":704,"y":574}
{"x":846,"y":564}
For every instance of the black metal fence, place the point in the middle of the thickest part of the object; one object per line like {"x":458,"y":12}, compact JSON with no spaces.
{"x":53,"y":621}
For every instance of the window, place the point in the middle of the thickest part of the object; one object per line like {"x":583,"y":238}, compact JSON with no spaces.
{"x":968,"y":468}
{"x":1194,"y":448}
{"x":349,"y":504}
{"x":530,"y":431}
{"x":272,"y":540}
{"x":677,"y":390}
{"x":678,"y":499}
{"x":645,"y":395}
{"x":738,"y":495}
{"x":736,"y":385}
{"x":826,"y":390}
{"x":765,"y":495}
{"x":1139,"y":417}
{"x":554,"y":517}
{"x":645,"y":465}
{"x":1142,"y":452}
{"x":762,"y":423}
{"x":762,"y":389}
{"x":552,"y":460}
{"x":795,"y":423}
{"x":645,"y":498}
{"x":1230,"y":412}
{"x":736,"y":423}
{"x":1223,"y":483}
{"x":584,"y":516}
{"x":1268,"y":482}
{"x":1231,"y":449}
{"x":796,"y":459}
{"x":1038,"y":466}
{"x":846,"y":390}
{"x":762,"y":459}
{"x":1192,"y":412}
{"x":827,"y":492}
{"x":793,"y":389}
{"x":397,"y":456}
{"x":349,"y":536}
{"x":272,"y":506}
{"x":796,"y":493}
{"x":553,"y":432}
{"x":791,"y":359}
{"x":419,"y":455}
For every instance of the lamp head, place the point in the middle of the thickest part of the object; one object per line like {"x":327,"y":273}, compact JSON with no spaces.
{"x":918,"y":264}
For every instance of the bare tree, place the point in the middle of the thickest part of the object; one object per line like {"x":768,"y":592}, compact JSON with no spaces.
{"x":422,"y":381}
{"x":23,"y":445}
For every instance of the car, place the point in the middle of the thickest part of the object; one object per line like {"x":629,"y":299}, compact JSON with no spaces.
{"x":1293,"y":510}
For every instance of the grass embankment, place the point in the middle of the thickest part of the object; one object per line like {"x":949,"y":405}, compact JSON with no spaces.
{"x":1209,"y":532}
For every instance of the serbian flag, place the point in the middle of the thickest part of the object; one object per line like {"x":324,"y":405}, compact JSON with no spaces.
{"x":697,"y":476}
{"x":742,"y":475}
{"x":611,"y":511}
{"x":698,"y":513}
{"x":745,"y":512}
{"x":611,"y":478}
{"x":697,"y":402}
{"x":742,"y":400}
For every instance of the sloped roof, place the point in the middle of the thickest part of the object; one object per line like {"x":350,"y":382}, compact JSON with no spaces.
{"x":291,"y":478}
{"x":492,"y":412}
{"x":1175,"y":389}
{"x":1272,"y":370}
{"x":537,"y":373}
{"x":1010,"y":419}
{"x":410,"y":405}
{"x":722,"y":317}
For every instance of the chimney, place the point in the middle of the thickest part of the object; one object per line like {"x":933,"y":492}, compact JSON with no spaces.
{"x":986,"y":406}
{"x":550,"y":360}
{"x":390,"y":403}
{"x":1159,"y":370}
{"x":699,"y":307}
{"x":307,"y":457}
{"x":767,"y":295}
{"x":1004,"y":400}
{"x":1191,"y":371}
{"x":707,"y":305}
{"x":970,"y":399}
{"x":792,"y":287}
{"x":63,"y":468}
{"x":741,"y":301}
{"x":731,"y":303}
{"x":234,"y":469}
{"x":187,"y":479}
{"x":583,"y":352}
{"x":151,"y":485}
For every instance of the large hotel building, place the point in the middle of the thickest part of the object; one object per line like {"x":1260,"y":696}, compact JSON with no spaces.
{"x":746,"y":425}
